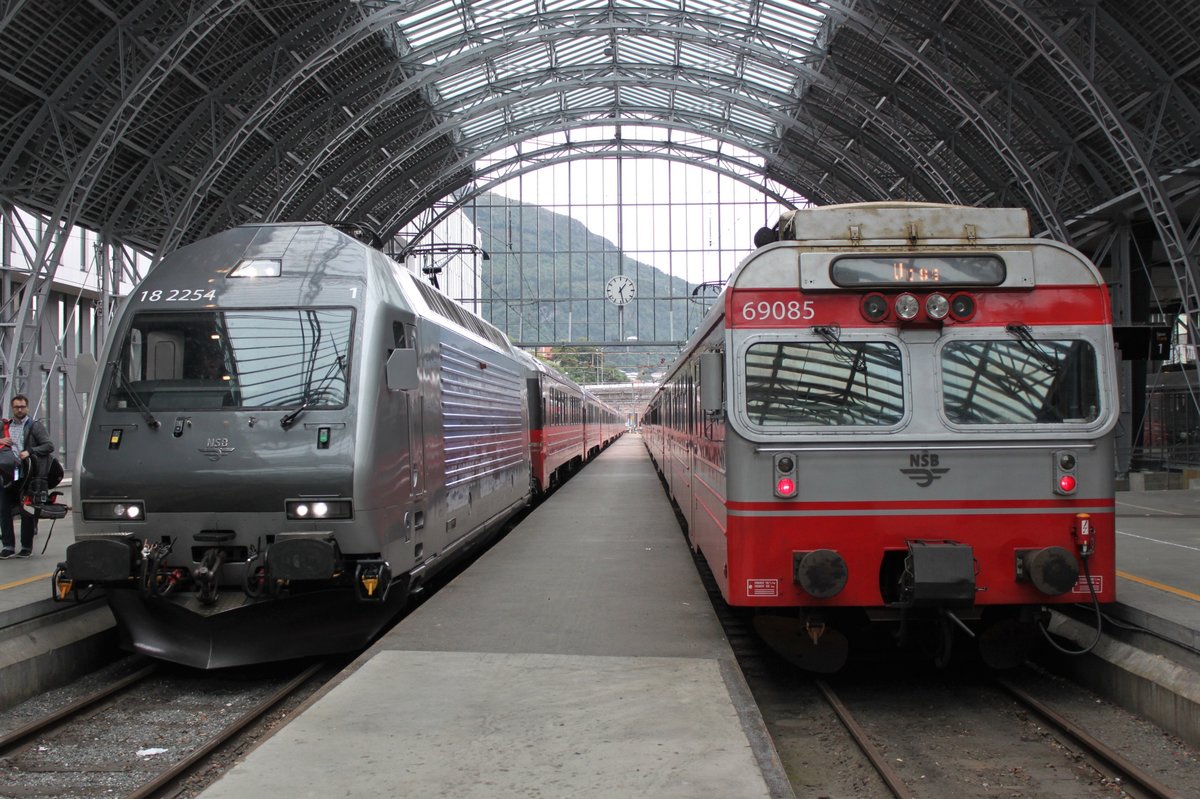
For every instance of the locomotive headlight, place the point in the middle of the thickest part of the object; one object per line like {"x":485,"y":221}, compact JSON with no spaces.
{"x":124,"y":511}
{"x":319,"y":509}
{"x":937,"y":306}
{"x":907,"y":307}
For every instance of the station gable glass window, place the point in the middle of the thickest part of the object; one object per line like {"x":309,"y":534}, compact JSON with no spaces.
{"x":1020,"y":382}
{"x":826,"y":384}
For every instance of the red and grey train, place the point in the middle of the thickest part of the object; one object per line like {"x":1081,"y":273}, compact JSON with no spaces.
{"x":898,"y":412}
{"x":568,"y":425}
{"x":289,"y":435}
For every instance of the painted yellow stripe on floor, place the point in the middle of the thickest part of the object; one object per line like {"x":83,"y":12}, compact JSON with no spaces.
{"x":26,"y":581}
{"x":1160,"y":586}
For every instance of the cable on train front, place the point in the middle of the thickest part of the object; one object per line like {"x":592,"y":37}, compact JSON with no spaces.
{"x":905,"y":411}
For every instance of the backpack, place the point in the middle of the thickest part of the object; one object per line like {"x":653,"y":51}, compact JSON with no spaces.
{"x":10,"y":459}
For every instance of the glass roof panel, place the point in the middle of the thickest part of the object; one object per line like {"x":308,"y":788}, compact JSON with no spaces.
{"x":645,"y":96}
{"x":748,"y":118}
{"x":704,"y":56}
{"x":646,"y":49}
{"x":770,"y":76}
{"x":528,"y":78}
{"x":589,"y":50}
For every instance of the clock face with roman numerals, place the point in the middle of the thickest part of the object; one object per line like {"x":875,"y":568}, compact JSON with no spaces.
{"x":620,"y":290}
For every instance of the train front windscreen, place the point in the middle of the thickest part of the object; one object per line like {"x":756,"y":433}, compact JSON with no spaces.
{"x":249,"y":359}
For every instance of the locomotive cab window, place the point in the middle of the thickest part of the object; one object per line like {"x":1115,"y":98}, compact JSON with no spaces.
{"x":827,"y":384}
{"x":1036,"y":381}
{"x":270,"y":358}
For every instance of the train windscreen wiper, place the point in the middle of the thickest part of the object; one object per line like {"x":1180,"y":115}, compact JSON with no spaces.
{"x":311,"y":393}
{"x":1028,"y":343}
{"x":126,"y":386}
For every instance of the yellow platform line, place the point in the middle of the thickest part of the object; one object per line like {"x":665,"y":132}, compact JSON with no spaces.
{"x":26,"y":581}
{"x":1160,"y":586}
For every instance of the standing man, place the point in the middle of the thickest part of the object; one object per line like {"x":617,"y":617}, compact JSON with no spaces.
{"x":28,"y":437}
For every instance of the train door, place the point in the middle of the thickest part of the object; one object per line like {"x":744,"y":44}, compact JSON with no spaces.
{"x":416,"y":423}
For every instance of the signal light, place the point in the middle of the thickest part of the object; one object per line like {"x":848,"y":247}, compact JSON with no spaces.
{"x":874,"y":307}
{"x":936,"y":306}
{"x":907,"y":307}
{"x":1065,"y":480}
{"x":785,"y":480}
{"x":962,"y":307}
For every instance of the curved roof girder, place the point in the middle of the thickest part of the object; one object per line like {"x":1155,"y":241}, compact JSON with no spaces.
{"x":554,"y":122}
{"x":859,"y":130}
{"x":961,"y":100}
{"x":508,"y":169}
{"x":407,"y":210}
{"x":279,"y":50}
{"x":359,"y":30}
{"x":1124,"y":141}
{"x":500,"y":102}
{"x":1020,"y":103}
{"x":91,"y":161}
{"x":476,"y":55}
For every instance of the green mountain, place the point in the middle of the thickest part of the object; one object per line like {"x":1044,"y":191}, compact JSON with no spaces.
{"x":545,"y":278}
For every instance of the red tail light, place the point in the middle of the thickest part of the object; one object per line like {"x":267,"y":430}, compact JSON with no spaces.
{"x":786,"y":487}
{"x":962,"y":307}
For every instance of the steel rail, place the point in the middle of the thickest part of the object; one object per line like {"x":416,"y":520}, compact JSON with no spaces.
{"x":893,"y":781}
{"x":1094,"y":747}
{"x":181,"y":767}
{"x":12,"y":739}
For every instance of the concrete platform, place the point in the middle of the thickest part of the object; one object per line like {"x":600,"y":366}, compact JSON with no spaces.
{"x":1158,"y":562}
{"x":44,"y":643}
{"x":578,"y":657}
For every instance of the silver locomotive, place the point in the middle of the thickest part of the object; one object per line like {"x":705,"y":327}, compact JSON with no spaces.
{"x":289,"y":434}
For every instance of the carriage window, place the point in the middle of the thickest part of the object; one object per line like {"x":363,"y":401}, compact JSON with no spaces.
{"x":855,"y":383}
{"x":269,"y":358}
{"x":1016,"y":382}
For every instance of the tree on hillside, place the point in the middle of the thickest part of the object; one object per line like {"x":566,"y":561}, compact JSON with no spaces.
{"x":585,"y":365}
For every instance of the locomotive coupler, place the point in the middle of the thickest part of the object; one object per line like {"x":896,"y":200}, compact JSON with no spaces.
{"x":207,"y":575}
{"x":938,"y":574}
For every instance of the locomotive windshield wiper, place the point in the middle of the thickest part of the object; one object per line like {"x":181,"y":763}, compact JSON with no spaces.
{"x":1028,"y":343}
{"x":123,"y":383}
{"x":843,"y":352}
{"x":311,"y":393}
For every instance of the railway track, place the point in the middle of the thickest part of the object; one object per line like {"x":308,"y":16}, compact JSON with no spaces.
{"x":887,"y":728}
{"x":144,"y":733}
{"x":1121,"y":776}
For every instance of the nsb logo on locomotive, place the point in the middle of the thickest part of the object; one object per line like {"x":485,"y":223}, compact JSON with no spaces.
{"x":923,"y":469}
